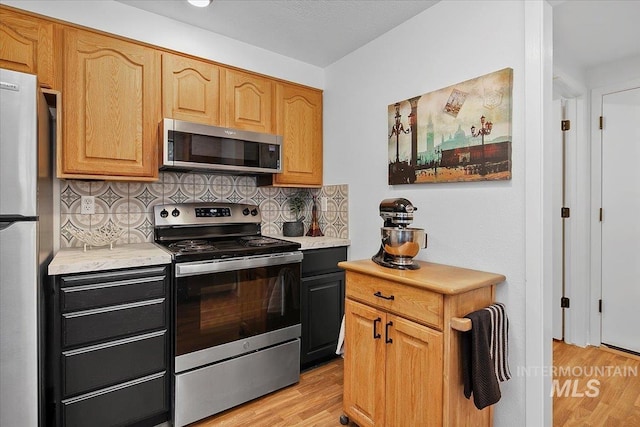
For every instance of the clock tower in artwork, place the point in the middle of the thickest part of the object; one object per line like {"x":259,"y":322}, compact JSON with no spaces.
{"x":430,"y":136}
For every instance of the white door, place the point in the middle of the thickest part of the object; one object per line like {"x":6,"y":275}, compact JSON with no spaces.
{"x":621,"y":219}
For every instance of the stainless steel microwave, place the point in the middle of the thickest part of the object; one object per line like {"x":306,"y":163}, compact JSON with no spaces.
{"x":193,"y":146}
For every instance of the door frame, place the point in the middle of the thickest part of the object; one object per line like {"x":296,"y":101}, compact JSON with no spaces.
{"x":595,"y":319}
{"x":538,"y":76}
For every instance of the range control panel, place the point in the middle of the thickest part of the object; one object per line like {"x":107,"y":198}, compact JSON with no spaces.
{"x":205,"y":214}
{"x":208,"y":212}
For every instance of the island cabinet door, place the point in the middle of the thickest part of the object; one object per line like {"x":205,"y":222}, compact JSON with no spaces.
{"x":413,"y":374}
{"x":364,"y":364}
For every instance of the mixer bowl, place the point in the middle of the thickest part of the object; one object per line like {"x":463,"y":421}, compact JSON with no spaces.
{"x":402,"y":244}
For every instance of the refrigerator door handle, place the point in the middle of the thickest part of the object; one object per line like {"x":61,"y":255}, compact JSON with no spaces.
{"x":6,"y":221}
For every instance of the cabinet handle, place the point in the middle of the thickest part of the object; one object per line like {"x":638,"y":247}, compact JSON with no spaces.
{"x":379,"y":295}
{"x":386,"y":333}
{"x":376,"y":335}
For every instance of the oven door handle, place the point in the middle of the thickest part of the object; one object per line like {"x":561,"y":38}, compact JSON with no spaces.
{"x":220,"y":265}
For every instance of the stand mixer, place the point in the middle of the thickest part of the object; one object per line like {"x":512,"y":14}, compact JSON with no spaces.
{"x":400,"y":243}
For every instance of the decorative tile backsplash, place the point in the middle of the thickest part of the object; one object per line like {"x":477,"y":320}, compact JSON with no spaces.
{"x":129,"y":205}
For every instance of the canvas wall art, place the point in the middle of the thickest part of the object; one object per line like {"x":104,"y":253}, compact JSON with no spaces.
{"x":456,"y":134}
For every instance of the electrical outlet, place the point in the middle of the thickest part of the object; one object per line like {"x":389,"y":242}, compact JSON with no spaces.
{"x":323,"y":204}
{"x":87,"y":205}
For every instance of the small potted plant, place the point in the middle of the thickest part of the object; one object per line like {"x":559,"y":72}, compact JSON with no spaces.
{"x":295,"y":228}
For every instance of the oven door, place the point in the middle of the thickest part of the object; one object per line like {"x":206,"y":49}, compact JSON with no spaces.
{"x":225,"y":308}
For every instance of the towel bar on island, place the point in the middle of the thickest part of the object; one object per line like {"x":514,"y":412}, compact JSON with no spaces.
{"x":461,"y":324}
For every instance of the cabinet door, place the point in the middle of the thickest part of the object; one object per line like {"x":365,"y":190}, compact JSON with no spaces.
{"x":26,"y":45}
{"x":414,"y":370}
{"x":190,"y":90}
{"x":112,"y":103}
{"x":322,"y":309}
{"x":364,"y":364}
{"x":299,"y":121}
{"x":248,"y":101}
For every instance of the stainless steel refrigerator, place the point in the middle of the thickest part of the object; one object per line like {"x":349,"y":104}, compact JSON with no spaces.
{"x":26,"y":245}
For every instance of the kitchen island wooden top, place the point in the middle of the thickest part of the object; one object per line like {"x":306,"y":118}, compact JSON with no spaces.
{"x":440,"y":278}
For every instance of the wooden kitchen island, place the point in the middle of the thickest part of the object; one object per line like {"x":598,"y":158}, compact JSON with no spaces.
{"x":402,"y":362}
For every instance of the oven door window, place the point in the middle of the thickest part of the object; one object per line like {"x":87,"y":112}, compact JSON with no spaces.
{"x":219,"y":308}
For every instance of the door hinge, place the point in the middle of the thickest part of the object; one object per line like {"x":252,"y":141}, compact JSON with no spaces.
{"x":565,"y":213}
{"x":564,"y":302}
{"x":599,"y":306}
{"x":565,"y":125}
{"x":601,"y":124}
{"x":600,"y":215}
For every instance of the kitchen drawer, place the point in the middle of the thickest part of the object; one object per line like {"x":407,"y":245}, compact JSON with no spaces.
{"x":90,"y":326}
{"x":120,"y":405}
{"x":95,"y":367}
{"x":85,"y":291}
{"x":421,"y":305}
{"x":324,"y":260}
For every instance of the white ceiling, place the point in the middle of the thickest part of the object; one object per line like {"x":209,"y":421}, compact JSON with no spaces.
{"x":587,"y":33}
{"x":317,"y":32}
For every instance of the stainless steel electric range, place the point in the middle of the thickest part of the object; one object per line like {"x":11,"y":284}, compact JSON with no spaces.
{"x":236,"y":306}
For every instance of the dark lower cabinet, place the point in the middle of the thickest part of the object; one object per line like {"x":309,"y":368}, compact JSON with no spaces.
{"x":131,"y":403}
{"x":322,"y":294}
{"x":108,"y":348}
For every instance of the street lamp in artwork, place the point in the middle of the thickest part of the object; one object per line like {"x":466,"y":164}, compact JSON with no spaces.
{"x":485,"y":129}
{"x":397,"y":129}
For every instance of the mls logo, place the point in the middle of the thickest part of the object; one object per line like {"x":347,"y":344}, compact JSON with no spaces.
{"x":569,"y":388}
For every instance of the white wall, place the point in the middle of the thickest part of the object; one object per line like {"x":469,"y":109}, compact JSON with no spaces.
{"x":478,"y":225}
{"x":126,"y":21}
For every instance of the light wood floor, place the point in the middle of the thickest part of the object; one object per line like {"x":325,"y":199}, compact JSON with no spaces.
{"x":612,"y":402}
{"x":316,"y":401}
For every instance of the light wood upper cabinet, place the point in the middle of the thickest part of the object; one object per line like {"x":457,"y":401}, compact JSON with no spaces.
{"x":26,"y":45}
{"x":248,"y":101}
{"x":299,"y":121}
{"x":190,"y":90}
{"x":111,"y":98}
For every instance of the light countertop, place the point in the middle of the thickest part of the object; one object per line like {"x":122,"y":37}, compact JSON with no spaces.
{"x":75,"y":260}
{"x":314,"y":242}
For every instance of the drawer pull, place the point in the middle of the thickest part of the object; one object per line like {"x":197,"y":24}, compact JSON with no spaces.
{"x":376,"y":335}
{"x":386,"y":333}
{"x":379,"y":295}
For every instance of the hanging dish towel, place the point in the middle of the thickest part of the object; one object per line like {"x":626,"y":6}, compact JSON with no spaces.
{"x":340,"y":347}
{"x":485,"y":355}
